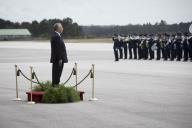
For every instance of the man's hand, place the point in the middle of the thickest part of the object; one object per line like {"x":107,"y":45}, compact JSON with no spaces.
{"x":60,"y":62}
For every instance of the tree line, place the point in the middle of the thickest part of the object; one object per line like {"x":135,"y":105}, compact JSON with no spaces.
{"x":45,"y":27}
{"x":148,"y":28}
{"x":73,"y":30}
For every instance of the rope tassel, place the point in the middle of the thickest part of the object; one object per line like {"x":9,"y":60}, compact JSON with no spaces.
{"x":33,"y":75}
{"x":74,"y":71}
{"x":18,"y":72}
{"x":92,"y":75}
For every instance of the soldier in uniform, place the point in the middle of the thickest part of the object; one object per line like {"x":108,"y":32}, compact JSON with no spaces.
{"x":135,"y":46}
{"x":120,"y":41}
{"x":186,"y":47}
{"x":130,"y":45}
{"x":115,"y":46}
{"x":145,"y":48}
{"x":163,"y":47}
{"x":173,"y":47}
{"x":190,"y":47}
{"x":139,"y":43}
{"x":179,"y":46}
{"x":168,"y":46}
{"x":158,"y":45}
{"x":150,"y":44}
{"x":125,"y":41}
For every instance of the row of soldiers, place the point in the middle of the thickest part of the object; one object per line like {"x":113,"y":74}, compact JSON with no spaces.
{"x":167,"y":46}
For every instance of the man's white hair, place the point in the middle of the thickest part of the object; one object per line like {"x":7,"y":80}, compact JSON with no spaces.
{"x":56,"y":26}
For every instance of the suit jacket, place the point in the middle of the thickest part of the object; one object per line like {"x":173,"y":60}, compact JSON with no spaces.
{"x":58,"y":49}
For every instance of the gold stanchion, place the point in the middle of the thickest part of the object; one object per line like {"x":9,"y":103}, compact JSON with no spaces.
{"x":31,"y":100}
{"x":17,"y":91}
{"x":76,"y":75}
{"x":93,"y":98}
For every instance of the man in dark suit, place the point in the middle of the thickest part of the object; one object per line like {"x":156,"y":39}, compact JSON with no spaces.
{"x":58,"y":53}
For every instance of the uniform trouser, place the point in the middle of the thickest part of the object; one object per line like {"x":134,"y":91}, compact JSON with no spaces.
{"x":125,"y":51}
{"x":121,"y":52}
{"x":173,"y":54}
{"x":116,"y":54}
{"x":56,"y":73}
{"x":179,"y":53}
{"x":135,"y":52}
{"x":140,"y":54}
{"x":190,"y":53}
{"x":130,"y":52}
{"x":158,"y":54}
{"x":164,"y":53}
{"x":186,"y":53}
{"x":151,"y":53}
{"x":168,"y":52}
{"x":145,"y":53}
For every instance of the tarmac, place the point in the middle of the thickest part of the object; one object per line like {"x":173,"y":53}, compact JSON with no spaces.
{"x":131,"y":93}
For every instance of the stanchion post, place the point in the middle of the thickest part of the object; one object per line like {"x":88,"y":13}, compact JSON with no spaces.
{"x":31,"y":100}
{"x":17,"y":91}
{"x":76,"y":76}
{"x":93,"y":98}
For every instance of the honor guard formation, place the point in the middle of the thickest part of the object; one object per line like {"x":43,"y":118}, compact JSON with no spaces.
{"x":153,"y":46}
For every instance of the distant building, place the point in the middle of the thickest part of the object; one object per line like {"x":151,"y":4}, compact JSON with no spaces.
{"x":14,"y":34}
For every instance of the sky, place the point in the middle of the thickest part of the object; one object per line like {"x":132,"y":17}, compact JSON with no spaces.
{"x":98,"y":12}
